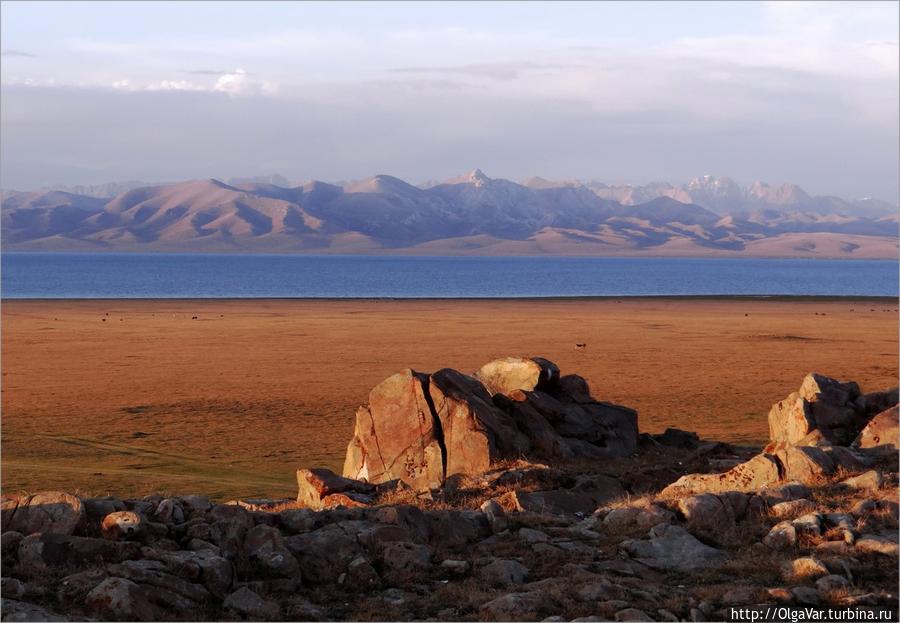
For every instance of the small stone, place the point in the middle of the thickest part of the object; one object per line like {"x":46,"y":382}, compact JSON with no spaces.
{"x":632,"y":614}
{"x":804,"y":568}
{"x":245,"y":602}
{"x":871,"y":480}
{"x":792,"y":508}
{"x":878,"y":544}
{"x":811,"y":523}
{"x":831,"y":583}
{"x":496,"y":516}
{"x":806,"y":595}
{"x":503,"y":573}
{"x":455,"y":567}
{"x":783,"y":535}
{"x":530,"y":535}
{"x":11,"y":588}
{"x":514,"y":607}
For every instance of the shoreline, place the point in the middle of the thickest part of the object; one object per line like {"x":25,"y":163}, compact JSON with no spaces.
{"x":781,"y":298}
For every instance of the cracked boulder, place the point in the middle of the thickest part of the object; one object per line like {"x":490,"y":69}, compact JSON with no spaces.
{"x":475,"y":432}
{"x":396,"y":437}
{"x":881,"y":431}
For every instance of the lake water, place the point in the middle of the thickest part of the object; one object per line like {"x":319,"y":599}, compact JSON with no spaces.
{"x":82,"y":275}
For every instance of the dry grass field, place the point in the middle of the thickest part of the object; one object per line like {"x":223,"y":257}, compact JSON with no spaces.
{"x":229,"y":397}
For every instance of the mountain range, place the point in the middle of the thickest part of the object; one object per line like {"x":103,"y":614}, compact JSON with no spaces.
{"x":472,"y":214}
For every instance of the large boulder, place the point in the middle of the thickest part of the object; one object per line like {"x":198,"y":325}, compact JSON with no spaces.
{"x":48,"y":512}
{"x":506,"y":375}
{"x":315,"y":486}
{"x":475,"y":432}
{"x":611,"y":427}
{"x":761,"y":471}
{"x":822,"y":411}
{"x":395,"y":435}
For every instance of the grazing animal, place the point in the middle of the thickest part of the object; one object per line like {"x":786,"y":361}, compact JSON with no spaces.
{"x":580,"y":346}
{"x":193,"y":317}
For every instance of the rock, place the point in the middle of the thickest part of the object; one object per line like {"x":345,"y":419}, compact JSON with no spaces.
{"x":611,"y":427}
{"x":805,"y":464}
{"x":811,"y":523}
{"x":572,"y":388}
{"x":503,"y":573}
{"x":170,"y":511}
{"x":706,"y":511}
{"x":195,"y":504}
{"x":878,"y":402}
{"x":792,"y":508}
{"x":361,"y":575}
{"x":161,"y":587}
{"x":265,"y":554}
{"x":757,"y":473}
{"x":832,"y":582}
{"x":315,"y":485}
{"x":783,"y":535}
{"x":73,"y":589}
{"x":881,"y":431}
{"x":878,"y":544}
{"x":455,"y":567}
{"x":496,"y":516}
{"x":504,"y":376}
{"x":514,"y":607}
{"x":805,"y":568}
{"x":47,"y":512}
{"x":229,"y":525}
{"x":246,"y":603}
{"x":673,"y":548}
{"x":871,"y":480}
{"x":9,"y":545}
{"x":395,"y":435}
{"x":14,"y":610}
{"x":37,"y":552}
{"x":543,"y":438}
{"x":475,"y":432}
{"x":405,"y":559}
{"x":119,"y":599}
{"x":11,"y":588}
{"x":740,"y":596}
{"x":205,"y":566}
{"x":579,"y":502}
{"x":822,"y":411}
{"x":784,"y":493}
{"x":323,"y":554}
{"x":632,"y":614}
{"x":122,"y":525}
{"x":677,"y":438}
{"x":600,"y":590}
{"x":297,"y":519}
{"x":641,"y":516}
{"x":531,"y":536}
{"x":806,"y":595}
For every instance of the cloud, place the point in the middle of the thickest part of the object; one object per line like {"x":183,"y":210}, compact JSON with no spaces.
{"x":206,"y":72}
{"x":18,"y":53}
{"x":233,"y":84}
{"x":495,"y":71}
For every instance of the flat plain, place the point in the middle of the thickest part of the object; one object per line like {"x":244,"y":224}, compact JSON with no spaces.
{"x":229,"y":397}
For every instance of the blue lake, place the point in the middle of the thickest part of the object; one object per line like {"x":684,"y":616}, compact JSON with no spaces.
{"x":83,"y":275}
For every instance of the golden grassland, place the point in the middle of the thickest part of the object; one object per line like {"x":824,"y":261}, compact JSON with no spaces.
{"x":228,"y":398}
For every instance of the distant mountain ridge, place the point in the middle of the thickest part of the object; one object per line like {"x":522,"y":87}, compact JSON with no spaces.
{"x":470,"y":214}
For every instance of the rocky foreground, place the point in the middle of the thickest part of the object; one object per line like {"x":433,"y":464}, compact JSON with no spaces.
{"x":510,"y":494}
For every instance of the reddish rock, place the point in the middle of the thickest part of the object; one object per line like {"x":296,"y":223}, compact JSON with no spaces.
{"x":122,"y":525}
{"x":317,"y":484}
{"x":395,"y":436}
{"x":475,"y":432}
{"x":881,"y":431}
{"x":760,"y":471}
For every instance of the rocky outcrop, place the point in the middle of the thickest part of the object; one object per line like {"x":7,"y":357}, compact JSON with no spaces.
{"x":882,"y":431}
{"x":811,"y":435}
{"x":825,"y":411}
{"x":422,"y":429}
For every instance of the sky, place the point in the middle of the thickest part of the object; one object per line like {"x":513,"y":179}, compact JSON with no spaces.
{"x":805,"y":92}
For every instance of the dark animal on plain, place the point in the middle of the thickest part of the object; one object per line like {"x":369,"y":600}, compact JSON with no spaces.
{"x":580,"y":346}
